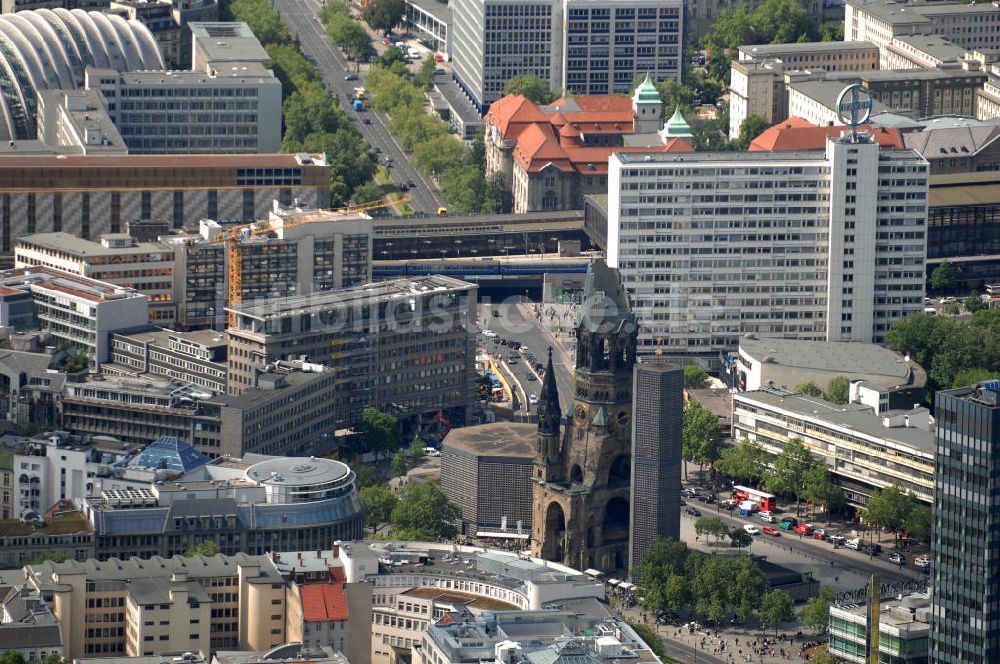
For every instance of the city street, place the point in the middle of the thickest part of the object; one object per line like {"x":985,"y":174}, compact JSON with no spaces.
{"x":513,"y":323}
{"x":832,"y":566}
{"x":300,"y":15}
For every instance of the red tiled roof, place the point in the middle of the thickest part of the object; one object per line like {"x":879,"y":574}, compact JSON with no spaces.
{"x":514,"y":109}
{"x":324,"y":602}
{"x":598,"y":114}
{"x":677,"y":144}
{"x":537,"y":133}
{"x":537,"y":146}
{"x":612,"y":104}
{"x":798,"y":134}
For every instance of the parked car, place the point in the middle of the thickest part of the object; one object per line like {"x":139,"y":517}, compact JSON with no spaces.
{"x":771,"y":530}
{"x":693,"y":511}
{"x":836,"y":540}
{"x":689,"y":491}
{"x":727,"y":505}
{"x":896,"y":557}
{"x":751,"y":529}
{"x":708,"y":498}
{"x":819,"y":533}
{"x":767,"y":517}
{"x":853,"y":544}
{"x":803,"y":529}
{"x":788,"y":523}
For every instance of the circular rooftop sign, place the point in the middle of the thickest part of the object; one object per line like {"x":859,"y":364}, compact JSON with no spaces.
{"x":294,"y":471}
{"x":854,"y":105}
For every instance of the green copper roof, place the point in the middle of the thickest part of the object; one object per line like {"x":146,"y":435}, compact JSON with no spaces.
{"x":601,"y":419}
{"x":647,"y":92}
{"x":677,"y":126}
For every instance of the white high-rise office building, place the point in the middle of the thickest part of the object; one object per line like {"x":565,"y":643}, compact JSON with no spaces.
{"x":813,"y":244}
{"x":496,"y":40}
{"x":585,"y":46}
{"x":607,"y":44}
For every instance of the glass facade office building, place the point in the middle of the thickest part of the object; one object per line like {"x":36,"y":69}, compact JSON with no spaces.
{"x":966,"y":529}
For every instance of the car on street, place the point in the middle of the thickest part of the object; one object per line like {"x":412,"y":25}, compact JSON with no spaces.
{"x":411,"y":184}
{"x":532,"y":399}
{"x":531,"y":377}
{"x":819,"y":533}
{"x":803,"y":529}
{"x":693,"y":511}
{"x":767,"y":517}
{"x":788,"y":523}
{"x":351,"y":77}
{"x":771,"y":530}
{"x":727,"y":505}
{"x":367,"y":121}
{"x":496,"y":314}
{"x":751,"y":529}
{"x":896,"y":557}
{"x":836,"y":540}
{"x":689,"y":491}
{"x":402,"y":187}
{"x":707,"y":498}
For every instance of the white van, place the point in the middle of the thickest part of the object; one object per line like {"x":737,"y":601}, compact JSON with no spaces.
{"x":853,"y":544}
{"x":414,"y":54}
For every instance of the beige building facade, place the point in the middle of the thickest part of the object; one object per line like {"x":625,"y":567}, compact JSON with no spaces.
{"x":149,"y":607}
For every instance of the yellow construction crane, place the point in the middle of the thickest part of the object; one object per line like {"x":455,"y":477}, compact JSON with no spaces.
{"x":233,"y":234}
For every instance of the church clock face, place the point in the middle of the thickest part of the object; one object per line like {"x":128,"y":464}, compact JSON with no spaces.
{"x":580,"y":413}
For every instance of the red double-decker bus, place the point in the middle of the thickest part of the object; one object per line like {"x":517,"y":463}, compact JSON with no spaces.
{"x":766,"y":501}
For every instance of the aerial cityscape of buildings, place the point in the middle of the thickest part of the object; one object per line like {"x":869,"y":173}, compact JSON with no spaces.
{"x":499,"y":331}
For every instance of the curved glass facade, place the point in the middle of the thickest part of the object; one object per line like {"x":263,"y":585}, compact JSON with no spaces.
{"x":48,"y":49}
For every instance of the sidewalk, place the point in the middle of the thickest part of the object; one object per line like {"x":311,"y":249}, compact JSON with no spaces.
{"x":735,"y":643}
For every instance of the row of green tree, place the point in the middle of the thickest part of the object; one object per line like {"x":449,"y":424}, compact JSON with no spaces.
{"x":458,"y":169}
{"x":313,"y":121}
{"x":794,"y":473}
{"x":673,"y":578}
{"x":419,"y":511}
{"x":955,"y":353}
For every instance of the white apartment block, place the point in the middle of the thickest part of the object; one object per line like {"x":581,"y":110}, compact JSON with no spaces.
{"x":970,"y":26}
{"x":78,"y":311}
{"x":236,"y":109}
{"x":496,"y":40}
{"x":921,"y":52}
{"x":867,"y":451}
{"x":757,"y":85}
{"x":822,"y":245}
{"x":609,"y":43}
{"x":116,"y":258}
